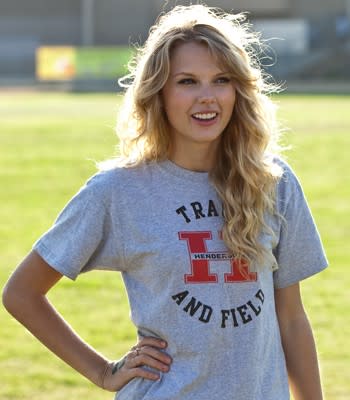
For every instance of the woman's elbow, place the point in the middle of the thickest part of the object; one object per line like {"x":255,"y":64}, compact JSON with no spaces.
{"x":11,"y":298}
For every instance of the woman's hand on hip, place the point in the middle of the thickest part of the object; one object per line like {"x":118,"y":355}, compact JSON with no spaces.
{"x":148,"y":352}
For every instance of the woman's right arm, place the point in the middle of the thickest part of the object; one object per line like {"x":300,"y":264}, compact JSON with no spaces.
{"x":24,"y":297}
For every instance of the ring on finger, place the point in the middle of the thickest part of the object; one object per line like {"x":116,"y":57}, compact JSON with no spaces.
{"x":137,"y":351}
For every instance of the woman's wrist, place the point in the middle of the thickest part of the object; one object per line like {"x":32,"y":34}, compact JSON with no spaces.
{"x":104,"y":373}
{"x":97,"y":371}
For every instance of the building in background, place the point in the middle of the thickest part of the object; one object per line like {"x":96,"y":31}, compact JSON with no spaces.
{"x":309,"y":30}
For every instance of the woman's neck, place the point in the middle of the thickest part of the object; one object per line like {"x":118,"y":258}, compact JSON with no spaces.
{"x":197,"y":158}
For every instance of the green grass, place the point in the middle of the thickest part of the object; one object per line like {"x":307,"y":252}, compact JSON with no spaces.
{"x":320,"y":138}
{"x":48,"y":144}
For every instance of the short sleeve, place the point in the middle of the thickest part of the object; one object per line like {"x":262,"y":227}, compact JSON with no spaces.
{"x":84,"y":236}
{"x":299,"y":251}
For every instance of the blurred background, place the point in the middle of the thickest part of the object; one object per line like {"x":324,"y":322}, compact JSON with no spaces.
{"x":51,"y":133}
{"x":85,"y":44}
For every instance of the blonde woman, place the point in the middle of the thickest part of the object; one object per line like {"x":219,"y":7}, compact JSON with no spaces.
{"x":208,"y":226}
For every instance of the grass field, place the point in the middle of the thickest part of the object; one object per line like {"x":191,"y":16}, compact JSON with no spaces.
{"x":48,"y":144}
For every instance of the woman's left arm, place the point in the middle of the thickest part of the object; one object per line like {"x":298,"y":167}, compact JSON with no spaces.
{"x":298,"y":344}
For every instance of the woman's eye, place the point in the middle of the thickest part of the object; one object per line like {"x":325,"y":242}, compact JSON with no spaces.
{"x":223,"y":79}
{"x":187,"y":81}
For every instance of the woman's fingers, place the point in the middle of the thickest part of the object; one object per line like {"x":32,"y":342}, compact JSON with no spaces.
{"x":150,"y":357}
{"x":157,"y":353}
{"x":144,"y":373}
{"x":148,"y":352}
{"x":151,"y":341}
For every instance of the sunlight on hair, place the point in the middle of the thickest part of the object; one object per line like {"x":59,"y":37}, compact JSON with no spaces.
{"x":250,"y":141}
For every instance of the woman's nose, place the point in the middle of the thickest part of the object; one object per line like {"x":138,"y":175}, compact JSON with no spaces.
{"x":207,"y":99}
{"x":206,"y":96}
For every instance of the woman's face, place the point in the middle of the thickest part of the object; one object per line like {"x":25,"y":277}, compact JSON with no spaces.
{"x":198,"y":98}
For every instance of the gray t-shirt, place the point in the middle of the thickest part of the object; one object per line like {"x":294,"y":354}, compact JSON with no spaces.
{"x":160,"y":226}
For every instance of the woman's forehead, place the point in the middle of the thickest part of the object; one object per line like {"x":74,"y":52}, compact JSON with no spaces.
{"x":191,"y":52}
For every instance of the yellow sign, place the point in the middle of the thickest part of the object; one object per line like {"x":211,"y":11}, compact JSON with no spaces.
{"x":56,"y":63}
{"x":68,"y":62}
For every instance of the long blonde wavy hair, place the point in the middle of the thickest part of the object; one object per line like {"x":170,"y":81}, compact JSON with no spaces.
{"x":244,"y":174}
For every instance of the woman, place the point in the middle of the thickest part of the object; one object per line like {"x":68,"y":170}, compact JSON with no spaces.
{"x":209,"y":228}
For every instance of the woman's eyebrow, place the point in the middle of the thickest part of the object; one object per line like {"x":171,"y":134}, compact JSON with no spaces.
{"x":184,"y":73}
{"x":191,"y":74}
